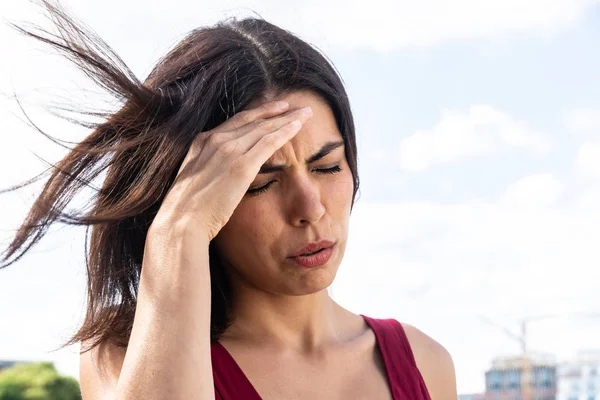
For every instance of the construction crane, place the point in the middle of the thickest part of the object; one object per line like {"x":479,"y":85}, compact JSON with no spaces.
{"x":526,"y":389}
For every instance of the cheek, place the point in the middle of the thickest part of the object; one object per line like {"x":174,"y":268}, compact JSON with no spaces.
{"x":340,"y":190}
{"x":250,"y":224}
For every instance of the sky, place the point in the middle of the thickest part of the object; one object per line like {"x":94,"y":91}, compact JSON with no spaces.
{"x":478,"y":129}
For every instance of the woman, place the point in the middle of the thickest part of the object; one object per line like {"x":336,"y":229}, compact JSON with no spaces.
{"x":220,"y":223}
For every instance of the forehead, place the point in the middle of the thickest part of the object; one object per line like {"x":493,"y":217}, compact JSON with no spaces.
{"x":320,"y":129}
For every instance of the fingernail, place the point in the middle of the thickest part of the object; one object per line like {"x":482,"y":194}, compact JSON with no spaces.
{"x":281,"y":104}
{"x":306,"y":110}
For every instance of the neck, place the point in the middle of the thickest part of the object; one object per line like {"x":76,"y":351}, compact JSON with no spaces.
{"x":305,"y":323}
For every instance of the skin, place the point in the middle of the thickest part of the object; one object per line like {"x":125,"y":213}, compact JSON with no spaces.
{"x":275,"y":298}
{"x":283,"y":314}
{"x":289,"y":337}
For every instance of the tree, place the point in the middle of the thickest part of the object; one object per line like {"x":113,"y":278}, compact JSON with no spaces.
{"x":38,"y":381}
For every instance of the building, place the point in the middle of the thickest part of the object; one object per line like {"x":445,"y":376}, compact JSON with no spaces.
{"x":503,"y":381}
{"x":579,"y":379}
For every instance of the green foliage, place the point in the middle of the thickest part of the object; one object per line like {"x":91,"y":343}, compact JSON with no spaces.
{"x":39,"y":381}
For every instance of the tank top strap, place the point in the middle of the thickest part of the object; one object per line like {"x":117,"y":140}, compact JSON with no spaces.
{"x":230,"y":381}
{"x":404,"y":377}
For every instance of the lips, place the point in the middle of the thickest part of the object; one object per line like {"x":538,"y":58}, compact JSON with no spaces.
{"x":313,"y":247}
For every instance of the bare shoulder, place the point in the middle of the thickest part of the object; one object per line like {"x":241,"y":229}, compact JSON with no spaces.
{"x":434,"y":362}
{"x":99,"y":370}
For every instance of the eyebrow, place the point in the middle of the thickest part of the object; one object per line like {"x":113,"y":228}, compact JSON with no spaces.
{"x":328,"y":148}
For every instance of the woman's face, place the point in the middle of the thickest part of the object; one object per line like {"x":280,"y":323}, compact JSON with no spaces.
{"x":300,"y":205}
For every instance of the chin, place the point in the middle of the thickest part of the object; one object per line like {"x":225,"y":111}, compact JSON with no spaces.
{"x":312,"y":284}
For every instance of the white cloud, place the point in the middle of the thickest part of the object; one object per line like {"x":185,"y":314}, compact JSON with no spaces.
{"x":482,"y":130}
{"x":539,"y":190}
{"x":388,"y":25}
{"x":583,"y":121}
{"x":446,"y":187}
{"x":587,"y":160}
{"x":384,"y":25}
{"x":589,"y":198}
{"x":440,"y":266}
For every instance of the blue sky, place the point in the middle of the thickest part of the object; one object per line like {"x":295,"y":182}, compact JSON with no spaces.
{"x":479,"y":150}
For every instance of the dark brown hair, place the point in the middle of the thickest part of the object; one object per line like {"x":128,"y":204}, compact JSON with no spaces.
{"x":206,"y":78}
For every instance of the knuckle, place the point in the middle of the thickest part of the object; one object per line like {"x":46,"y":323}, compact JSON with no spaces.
{"x":200,"y":140}
{"x":269,"y":140}
{"x":215,"y":140}
{"x":194,"y":148}
{"x":245,"y":116}
{"x":229,"y":147}
{"x":264,"y":124}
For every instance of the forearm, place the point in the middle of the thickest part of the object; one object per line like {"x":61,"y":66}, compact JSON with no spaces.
{"x":169,"y":350}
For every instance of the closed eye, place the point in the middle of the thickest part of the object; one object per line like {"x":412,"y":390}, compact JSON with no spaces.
{"x":332,"y":170}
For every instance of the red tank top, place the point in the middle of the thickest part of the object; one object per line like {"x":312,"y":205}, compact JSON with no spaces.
{"x":403,"y":375}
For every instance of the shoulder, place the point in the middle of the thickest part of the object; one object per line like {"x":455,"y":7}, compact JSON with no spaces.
{"x":434,"y":362}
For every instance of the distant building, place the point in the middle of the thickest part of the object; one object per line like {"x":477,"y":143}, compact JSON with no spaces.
{"x":579,"y":379}
{"x":503,"y":379}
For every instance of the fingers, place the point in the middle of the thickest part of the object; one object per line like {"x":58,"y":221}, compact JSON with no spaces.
{"x":265,"y":146}
{"x":261,"y":132}
{"x":245,"y":121}
{"x":252,"y":133}
{"x":246,"y":117}
{"x":238,"y":142}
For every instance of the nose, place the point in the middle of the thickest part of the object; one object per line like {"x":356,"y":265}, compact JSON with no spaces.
{"x":304,"y":203}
